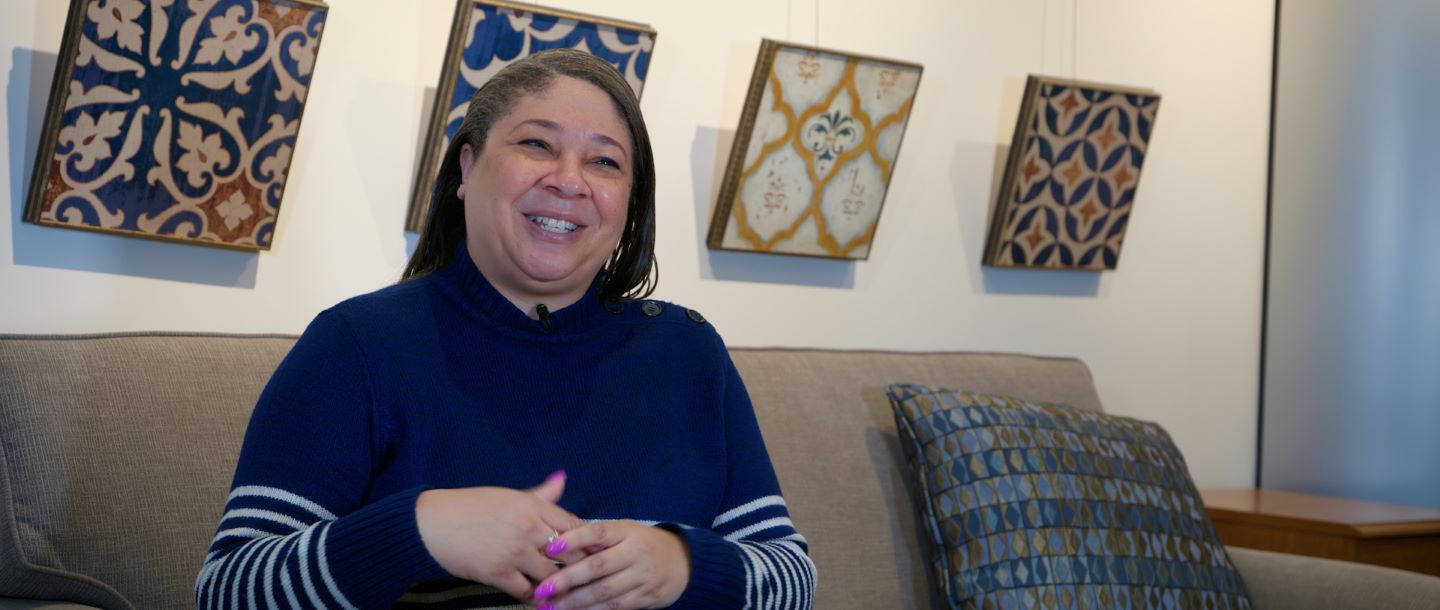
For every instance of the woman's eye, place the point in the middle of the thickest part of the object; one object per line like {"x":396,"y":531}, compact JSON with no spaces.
{"x":535,"y":143}
{"x":608,"y":162}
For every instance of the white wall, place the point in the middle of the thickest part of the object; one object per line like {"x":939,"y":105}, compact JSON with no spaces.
{"x":1352,"y":399}
{"x":1172,"y":335}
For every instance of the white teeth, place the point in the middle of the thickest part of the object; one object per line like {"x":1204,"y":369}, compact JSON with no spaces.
{"x":553,"y":225}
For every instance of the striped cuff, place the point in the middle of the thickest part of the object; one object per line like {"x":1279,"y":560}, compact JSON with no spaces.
{"x":717,"y":573}
{"x":377,"y":554}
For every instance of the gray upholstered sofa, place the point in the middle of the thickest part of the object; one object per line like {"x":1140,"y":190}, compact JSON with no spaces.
{"x":116,"y":453}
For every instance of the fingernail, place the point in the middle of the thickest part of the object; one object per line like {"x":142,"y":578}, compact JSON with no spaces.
{"x":545,"y":590}
{"x":555,"y":547}
{"x":546,"y":607}
{"x":558,"y":475}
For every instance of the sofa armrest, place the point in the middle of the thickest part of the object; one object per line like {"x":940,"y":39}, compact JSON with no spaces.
{"x":13,"y":603}
{"x":1277,"y":581}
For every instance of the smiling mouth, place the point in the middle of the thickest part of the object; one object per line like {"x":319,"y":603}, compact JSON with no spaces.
{"x":552,"y":225}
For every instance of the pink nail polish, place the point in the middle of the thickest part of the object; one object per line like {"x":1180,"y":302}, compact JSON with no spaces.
{"x":545,"y":590}
{"x":557,"y":475}
{"x":555,"y":547}
{"x":546,"y":607}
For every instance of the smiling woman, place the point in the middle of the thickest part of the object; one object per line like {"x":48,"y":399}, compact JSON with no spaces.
{"x":393,"y":459}
{"x":603,"y":131}
{"x":546,"y":199}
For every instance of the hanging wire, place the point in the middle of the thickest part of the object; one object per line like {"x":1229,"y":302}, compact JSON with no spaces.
{"x":1044,"y":35}
{"x":1074,"y":34}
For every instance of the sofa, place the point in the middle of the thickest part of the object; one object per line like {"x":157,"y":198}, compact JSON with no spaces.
{"x":116,"y":453}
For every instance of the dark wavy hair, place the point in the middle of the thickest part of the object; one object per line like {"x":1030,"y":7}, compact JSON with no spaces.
{"x":631,"y":272}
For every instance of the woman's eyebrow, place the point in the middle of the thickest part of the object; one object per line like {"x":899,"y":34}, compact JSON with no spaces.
{"x":604,"y":139}
{"x":541,"y":123}
{"x":549,"y":125}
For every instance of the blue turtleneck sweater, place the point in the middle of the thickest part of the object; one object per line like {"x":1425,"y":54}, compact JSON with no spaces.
{"x":441,"y":382}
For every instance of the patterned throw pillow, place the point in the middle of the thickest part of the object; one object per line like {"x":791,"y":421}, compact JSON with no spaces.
{"x":1046,"y":506}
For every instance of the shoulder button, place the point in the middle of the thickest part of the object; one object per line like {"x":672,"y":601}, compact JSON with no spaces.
{"x":695,"y":315}
{"x":614,"y":306}
{"x":650,"y":308}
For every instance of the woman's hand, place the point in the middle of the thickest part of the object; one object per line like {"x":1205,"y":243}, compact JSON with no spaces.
{"x":494,"y":535}
{"x":617,"y":565}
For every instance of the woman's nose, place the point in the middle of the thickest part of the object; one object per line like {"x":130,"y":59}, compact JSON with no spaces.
{"x":567,"y":180}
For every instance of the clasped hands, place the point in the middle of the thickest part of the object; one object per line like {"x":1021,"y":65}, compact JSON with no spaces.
{"x":509,"y":539}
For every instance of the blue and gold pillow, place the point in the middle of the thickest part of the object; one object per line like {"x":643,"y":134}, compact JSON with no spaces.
{"x":1033,"y":505}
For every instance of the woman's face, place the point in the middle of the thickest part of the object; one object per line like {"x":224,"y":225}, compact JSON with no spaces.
{"x":546,"y":199}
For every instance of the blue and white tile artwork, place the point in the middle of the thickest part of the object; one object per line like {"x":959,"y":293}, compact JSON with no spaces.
{"x":178,"y":119}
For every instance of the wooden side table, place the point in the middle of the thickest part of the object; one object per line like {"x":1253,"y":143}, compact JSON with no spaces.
{"x":1404,"y":537}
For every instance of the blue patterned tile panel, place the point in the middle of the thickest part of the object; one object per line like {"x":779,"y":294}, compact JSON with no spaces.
{"x":1071,"y":177}
{"x":177,"y":119}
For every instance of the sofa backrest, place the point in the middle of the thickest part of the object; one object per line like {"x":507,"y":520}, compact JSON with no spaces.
{"x":831,"y":436}
{"x":116,"y":454}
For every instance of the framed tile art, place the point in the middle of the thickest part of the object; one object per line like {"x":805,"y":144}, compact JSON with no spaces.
{"x":814,"y":152}
{"x":176,"y":120}
{"x":1069,"y":184}
{"x":488,"y":35}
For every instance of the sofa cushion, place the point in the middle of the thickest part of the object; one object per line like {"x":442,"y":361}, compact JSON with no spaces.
{"x":831,"y":436}
{"x":116,"y":453}
{"x":1029,"y":504}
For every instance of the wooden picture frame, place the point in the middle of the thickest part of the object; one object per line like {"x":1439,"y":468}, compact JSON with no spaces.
{"x":1071,"y":176}
{"x":488,"y":35}
{"x":168,"y":124}
{"x":813,"y":155}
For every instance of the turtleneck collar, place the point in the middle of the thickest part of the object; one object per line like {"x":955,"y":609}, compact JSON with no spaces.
{"x":481,"y":295}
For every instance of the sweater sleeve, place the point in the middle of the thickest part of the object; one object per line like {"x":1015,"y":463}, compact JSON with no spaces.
{"x":297,"y":531}
{"x":751,"y":556}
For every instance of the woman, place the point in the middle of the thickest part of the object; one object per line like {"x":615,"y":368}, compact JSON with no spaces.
{"x":394,"y":457}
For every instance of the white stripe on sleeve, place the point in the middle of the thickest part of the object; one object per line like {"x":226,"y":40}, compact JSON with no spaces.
{"x":275,"y":493}
{"x":748,"y":507}
{"x":760,"y":527}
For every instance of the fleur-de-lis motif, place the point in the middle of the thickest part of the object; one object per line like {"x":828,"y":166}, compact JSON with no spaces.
{"x":117,"y":18}
{"x":830,"y":134}
{"x":228,"y":39}
{"x":90,"y":139}
{"x":202,"y":153}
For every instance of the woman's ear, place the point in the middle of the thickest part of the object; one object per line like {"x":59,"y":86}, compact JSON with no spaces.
{"x":467,"y":160}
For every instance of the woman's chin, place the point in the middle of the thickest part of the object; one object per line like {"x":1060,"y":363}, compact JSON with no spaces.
{"x":561,"y":275}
